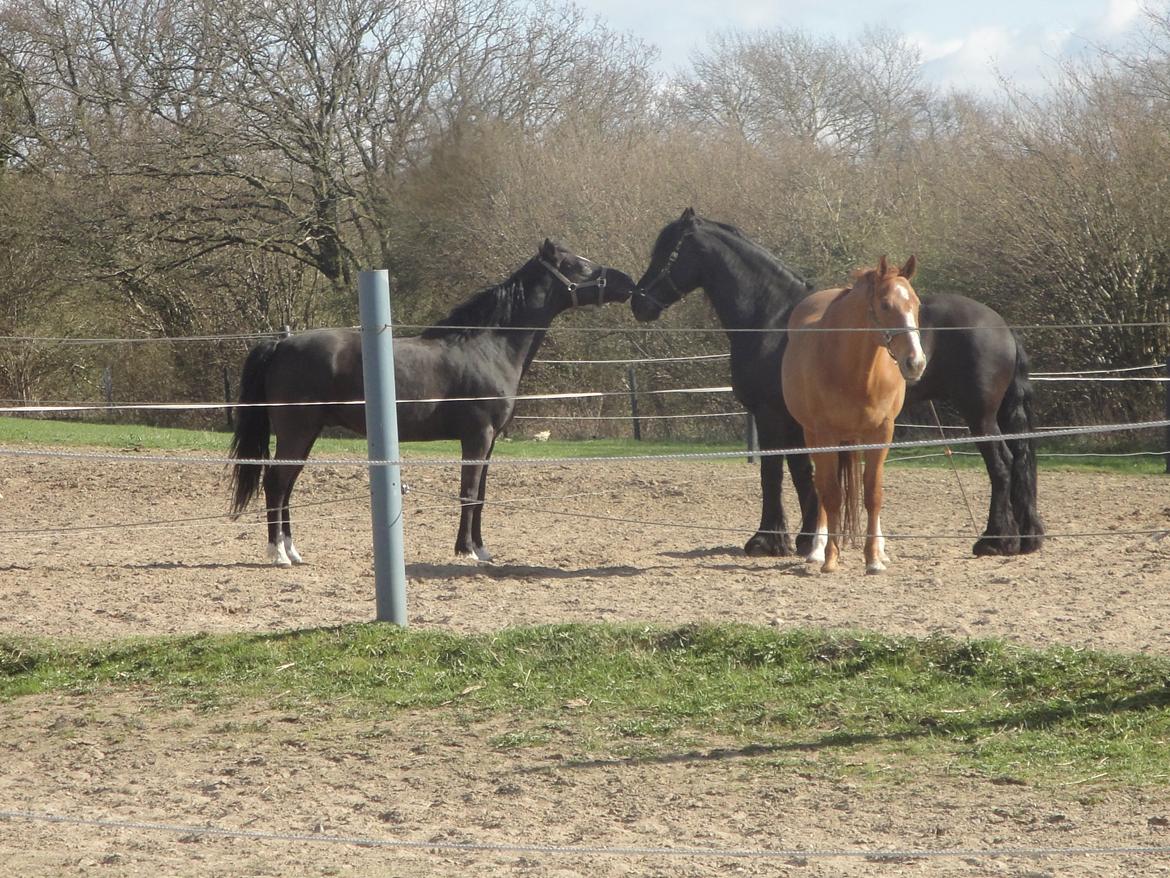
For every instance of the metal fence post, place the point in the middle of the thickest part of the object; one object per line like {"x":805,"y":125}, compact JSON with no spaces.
{"x":1167,"y":386}
{"x":753,"y":439}
{"x":382,"y":435}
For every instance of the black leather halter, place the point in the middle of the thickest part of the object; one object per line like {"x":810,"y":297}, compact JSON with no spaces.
{"x":573,"y":287}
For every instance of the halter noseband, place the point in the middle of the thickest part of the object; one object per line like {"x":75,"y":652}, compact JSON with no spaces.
{"x":664,"y":274}
{"x":572,"y":286}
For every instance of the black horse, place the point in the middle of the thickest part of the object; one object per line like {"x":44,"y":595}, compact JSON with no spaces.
{"x":470,"y":366}
{"x":980,"y":368}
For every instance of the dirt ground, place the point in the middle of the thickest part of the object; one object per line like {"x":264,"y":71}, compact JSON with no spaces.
{"x":117,"y":549}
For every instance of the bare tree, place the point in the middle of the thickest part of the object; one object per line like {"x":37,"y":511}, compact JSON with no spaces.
{"x":282,"y":127}
{"x":852,"y":97}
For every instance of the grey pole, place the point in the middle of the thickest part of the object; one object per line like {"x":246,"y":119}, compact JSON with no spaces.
{"x":1168,"y":414}
{"x":382,"y":435}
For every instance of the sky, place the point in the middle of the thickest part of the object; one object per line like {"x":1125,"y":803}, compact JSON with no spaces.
{"x":963,"y":44}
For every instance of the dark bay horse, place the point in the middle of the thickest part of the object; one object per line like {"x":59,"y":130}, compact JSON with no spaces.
{"x":846,"y":386}
{"x":979,"y":367}
{"x":468,"y":367}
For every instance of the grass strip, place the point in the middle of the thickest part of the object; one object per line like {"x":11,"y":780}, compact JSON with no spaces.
{"x":996,"y":708}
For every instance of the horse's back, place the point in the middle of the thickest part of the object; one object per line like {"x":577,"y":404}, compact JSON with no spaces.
{"x":811,"y":309}
{"x":970,"y":352}
{"x":308,"y":364}
{"x":321,"y":365}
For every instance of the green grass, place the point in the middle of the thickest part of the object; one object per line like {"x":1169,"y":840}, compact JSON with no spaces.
{"x":862,"y":699}
{"x":70,"y":433}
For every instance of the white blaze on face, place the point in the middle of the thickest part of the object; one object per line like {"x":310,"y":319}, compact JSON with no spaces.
{"x":915,"y":364}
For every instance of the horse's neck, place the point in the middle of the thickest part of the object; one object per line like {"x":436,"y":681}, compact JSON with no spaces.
{"x":525,"y":332}
{"x":745,"y":292}
{"x":853,"y":352}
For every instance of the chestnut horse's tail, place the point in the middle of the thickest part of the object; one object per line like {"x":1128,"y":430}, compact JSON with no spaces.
{"x":1015,"y":416}
{"x":250,"y":440}
{"x":849,"y":478}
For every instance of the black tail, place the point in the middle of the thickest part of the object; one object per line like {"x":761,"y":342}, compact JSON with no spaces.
{"x":250,"y":441}
{"x":1015,"y":416}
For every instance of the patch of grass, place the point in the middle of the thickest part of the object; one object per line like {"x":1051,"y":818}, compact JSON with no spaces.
{"x":519,"y":740}
{"x":123,"y":437}
{"x":859,"y":697}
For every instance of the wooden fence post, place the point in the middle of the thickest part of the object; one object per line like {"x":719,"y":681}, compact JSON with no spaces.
{"x":632,"y":377}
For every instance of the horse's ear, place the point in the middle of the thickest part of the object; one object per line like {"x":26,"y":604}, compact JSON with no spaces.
{"x":689,"y":213}
{"x":548,"y":250}
{"x":911,"y":266}
{"x":883,"y":266}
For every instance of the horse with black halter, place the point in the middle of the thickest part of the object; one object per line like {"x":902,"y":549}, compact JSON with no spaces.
{"x":463,"y":372}
{"x":842,"y":387}
{"x":976,"y":363}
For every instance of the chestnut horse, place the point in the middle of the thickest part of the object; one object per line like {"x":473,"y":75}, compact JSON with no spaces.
{"x":844,"y":380}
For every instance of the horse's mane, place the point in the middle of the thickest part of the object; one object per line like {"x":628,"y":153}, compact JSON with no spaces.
{"x":497,"y":305}
{"x":786,"y":273}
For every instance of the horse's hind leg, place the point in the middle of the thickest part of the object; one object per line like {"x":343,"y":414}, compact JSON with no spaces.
{"x":1023,"y":492}
{"x":480,"y":549}
{"x":1002,"y":535}
{"x":477,"y":447}
{"x":278,"y":485}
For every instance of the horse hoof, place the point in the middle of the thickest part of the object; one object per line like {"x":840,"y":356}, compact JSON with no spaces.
{"x":875,"y":568}
{"x":996,"y":546}
{"x":1030,"y":544}
{"x":468,"y":555}
{"x":278,"y":556}
{"x":293,"y":555}
{"x":768,"y":545}
{"x":483,"y":555}
{"x":829,"y":567}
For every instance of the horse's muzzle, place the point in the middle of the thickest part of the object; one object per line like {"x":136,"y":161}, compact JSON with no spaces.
{"x":912,"y":367}
{"x":645,"y":307}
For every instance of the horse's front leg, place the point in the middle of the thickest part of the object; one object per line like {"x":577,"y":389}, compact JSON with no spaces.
{"x":772,"y":538}
{"x":801,"y":471}
{"x":828,"y":531}
{"x":875,"y":542}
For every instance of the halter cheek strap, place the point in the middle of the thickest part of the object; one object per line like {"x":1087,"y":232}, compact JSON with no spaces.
{"x":573,"y":287}
{"x":664,"y":274}
{"x":887,"y":333}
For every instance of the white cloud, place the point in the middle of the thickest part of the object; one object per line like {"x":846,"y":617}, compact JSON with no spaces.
{"x":1027,"y":56}
{"x":1120,"y":15}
